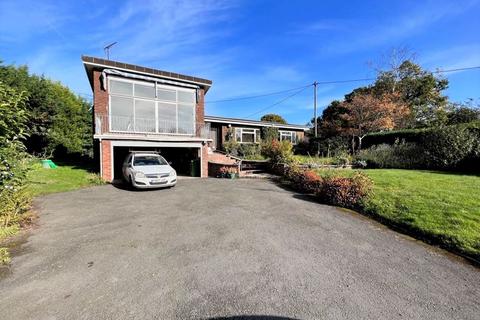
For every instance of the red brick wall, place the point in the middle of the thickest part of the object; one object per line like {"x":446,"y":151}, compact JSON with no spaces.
{"x":100,"y":98}
{"x":107,"y":173}
{"x":200,"y":107}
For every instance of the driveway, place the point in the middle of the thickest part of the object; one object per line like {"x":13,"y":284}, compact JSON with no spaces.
{"x":212,"y":248}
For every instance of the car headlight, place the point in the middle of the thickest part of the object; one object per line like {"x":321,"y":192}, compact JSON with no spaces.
{"x":173,"y":173}
{"x":139,"y":174}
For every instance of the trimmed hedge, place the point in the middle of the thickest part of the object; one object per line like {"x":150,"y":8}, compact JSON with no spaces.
{"x":454,"y":147}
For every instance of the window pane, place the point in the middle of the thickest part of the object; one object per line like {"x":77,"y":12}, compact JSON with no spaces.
{"x":166,"y":95}
{"x":238,"y":135}
{"x":144,"y":91}
{"x":257,"y":135}
{"x":185,"y":119}
{"x":144,"y":116}
{"x":167,"y":117}
{"x":121,"y":110}
{"x":121,"y":87}
{"x":186,"y":96}
{"x":247,"y":137}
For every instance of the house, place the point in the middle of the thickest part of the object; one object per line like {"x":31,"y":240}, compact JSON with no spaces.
{"x":249,"y":131}
{"x":138,"y":108}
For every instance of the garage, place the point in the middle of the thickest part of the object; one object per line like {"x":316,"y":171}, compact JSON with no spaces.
{"x":184,"y":159}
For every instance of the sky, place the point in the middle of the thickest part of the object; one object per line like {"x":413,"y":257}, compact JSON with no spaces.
{"x":247,"y":47}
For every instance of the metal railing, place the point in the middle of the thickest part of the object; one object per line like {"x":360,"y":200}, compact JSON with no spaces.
{"x":105,"y":124}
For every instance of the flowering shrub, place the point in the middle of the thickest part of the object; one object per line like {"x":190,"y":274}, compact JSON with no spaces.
{"x":348,"y":192}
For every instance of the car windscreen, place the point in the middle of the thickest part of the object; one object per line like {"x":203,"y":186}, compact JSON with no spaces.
{"x":148,"y":161}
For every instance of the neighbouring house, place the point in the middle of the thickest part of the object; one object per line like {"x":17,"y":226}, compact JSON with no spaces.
{"x":249,"y":131}
{"x":138,"y":108}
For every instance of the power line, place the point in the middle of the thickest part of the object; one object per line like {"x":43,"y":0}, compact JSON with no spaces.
{"x":280,"y":101}
{"x":258,"y":95}
{"x":329,"y":82}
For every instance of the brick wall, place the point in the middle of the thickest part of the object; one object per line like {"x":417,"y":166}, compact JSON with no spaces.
{"x":107,"y":173}
{"x":100,"y":98}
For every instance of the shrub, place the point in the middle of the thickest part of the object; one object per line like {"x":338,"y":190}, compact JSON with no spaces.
{"x":447,"y":147}
{"x":399,"y":155}
{"x":15,"y":201}
{"x":231,"y":147}
{"x":278,"y":151}
{"x":250,"y":151}
{"x":342,"y":159}
{"x":307,"y":181}
{"x":348,"y":192}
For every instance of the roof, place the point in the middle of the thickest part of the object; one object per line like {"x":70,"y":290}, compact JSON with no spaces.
{"x":255,"y":123}
{"x":93,"y":63}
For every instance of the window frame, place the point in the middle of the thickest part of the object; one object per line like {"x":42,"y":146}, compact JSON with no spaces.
{"x":156,"y":100}
{"x":290,"y":133}
{"x":256,"y":134}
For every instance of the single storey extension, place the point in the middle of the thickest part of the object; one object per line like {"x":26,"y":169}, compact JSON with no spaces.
{"x":142,"y":109}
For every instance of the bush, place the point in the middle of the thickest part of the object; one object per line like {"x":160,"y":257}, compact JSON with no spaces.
{"x":455,"y":147}
{"x":278,"y":152}
{"x":398,"y":155}
{"x":15,"y":200}
{"x":447,"y":147}
{"x":307,"y":181}
{"x":348,"y":192}
{"x":342,"y":159}
{"x":250,"y":151}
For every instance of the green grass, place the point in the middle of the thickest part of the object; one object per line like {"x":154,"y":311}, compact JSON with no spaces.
{"x":63,"y":178}
{"x":438,"y":207}
{"x":302,"y":159}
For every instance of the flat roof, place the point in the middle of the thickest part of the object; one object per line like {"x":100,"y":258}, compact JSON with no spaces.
{"x":94,"y":63}
{"x":255,"y":123}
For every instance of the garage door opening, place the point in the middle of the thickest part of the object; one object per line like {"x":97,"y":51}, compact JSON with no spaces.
{"x":181,"y":159}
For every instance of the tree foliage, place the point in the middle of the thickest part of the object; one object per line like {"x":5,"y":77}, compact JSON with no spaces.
{"x":57,"y":118}
{"x":271,"y":117}
{"x":367,"y":113}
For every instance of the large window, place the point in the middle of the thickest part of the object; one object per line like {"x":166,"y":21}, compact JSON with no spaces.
{"x":288,"y":135}
{"x":138,"y":106}
{"x":247,"y":135}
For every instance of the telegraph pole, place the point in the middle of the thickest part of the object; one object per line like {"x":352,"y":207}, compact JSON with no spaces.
{"x":315,"y":83}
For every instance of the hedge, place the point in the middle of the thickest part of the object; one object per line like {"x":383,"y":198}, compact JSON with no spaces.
{"x":455,"y":147}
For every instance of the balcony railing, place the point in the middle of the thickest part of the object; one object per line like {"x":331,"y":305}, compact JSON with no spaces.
{"x":105,"y":124}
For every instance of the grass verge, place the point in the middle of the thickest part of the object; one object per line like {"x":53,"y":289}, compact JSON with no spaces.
{"x":437,"y":207}
{"x":65,"y":177}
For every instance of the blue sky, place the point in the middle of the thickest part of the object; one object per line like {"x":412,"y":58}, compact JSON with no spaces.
{"x":246,"y":47}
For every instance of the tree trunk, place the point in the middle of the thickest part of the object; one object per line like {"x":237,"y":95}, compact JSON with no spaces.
{"x":353,"y":144}
{"x":360,"y":142}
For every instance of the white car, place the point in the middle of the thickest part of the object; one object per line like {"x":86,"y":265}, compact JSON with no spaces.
{"x":148,"y":170}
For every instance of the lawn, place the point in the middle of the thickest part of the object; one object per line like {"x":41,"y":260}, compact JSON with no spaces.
{"x":439,"y":207}
{"x":65,"y":177}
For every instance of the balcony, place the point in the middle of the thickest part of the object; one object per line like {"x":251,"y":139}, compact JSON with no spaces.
{"x":119,"y":125}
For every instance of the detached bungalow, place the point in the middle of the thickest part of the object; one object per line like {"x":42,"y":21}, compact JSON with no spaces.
{"x":139,"y":108}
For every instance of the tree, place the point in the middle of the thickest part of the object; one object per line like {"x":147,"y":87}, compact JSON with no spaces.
{"x":419,"y":89}
{"x":271,"y":117}
{"x":463,"y":113}
{"x":367,"y":113}
{"x":58,"y":119}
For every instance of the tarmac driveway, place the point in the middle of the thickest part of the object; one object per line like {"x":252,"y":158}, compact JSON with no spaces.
{"x":212,"y":248}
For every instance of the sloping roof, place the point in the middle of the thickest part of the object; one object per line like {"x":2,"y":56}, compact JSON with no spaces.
{"x":93,"y":63}
{"x":255,"y":123}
